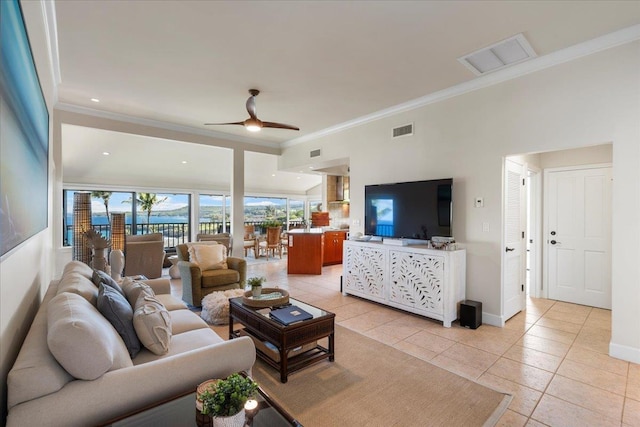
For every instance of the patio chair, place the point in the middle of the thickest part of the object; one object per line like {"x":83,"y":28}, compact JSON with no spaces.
{"x":250,"y":240}
{"x":272,"y":243}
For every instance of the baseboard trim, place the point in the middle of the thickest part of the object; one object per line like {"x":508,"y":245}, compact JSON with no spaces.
{"x":492,"y":319}
{"x":624,"y":352}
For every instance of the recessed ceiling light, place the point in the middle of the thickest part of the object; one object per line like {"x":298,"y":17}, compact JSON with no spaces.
{"x":105,"y":153}
{"x":273,"y":174}
{"x":95,"y":100}
{"x":297,"y":177}
{"x":184,"y":162}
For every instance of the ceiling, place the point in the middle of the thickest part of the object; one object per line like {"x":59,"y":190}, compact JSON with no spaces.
{"x":317,"y":64}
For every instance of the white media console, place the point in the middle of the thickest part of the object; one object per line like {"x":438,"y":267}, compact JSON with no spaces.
{"x":429,"y":282}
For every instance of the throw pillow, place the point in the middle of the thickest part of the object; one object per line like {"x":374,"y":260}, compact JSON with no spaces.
{"x":209,"y":257}
{"x":83,"y":342}
{"x":117,"y":310}
{"x":152,"y":323}
{"x":133,"y":288}
{"x":102,"y":277}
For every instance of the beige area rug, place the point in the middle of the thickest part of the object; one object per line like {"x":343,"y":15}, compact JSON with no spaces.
{"x":373,"y":384}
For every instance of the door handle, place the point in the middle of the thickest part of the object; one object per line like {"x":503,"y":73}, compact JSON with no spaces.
{"x":553,"y":242}
{"x":510,"y":249}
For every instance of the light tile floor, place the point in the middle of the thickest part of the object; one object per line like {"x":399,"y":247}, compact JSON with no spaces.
{"x":553,"y":357}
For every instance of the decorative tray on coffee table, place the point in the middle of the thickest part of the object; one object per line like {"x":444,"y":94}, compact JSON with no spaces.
{"x":268,"y":298}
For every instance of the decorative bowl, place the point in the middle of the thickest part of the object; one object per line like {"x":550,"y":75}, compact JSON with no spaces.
{"x":269,"y":297}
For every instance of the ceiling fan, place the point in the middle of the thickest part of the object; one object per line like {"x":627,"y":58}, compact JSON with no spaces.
{"x":253,"y":124}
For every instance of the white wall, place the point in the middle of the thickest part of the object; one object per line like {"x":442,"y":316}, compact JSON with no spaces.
{"x":585,"y":156}
{"x":590,"y":101}
{"x":26,"y":270}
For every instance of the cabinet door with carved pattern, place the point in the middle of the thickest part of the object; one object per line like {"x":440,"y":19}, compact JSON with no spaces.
{"x":416,"y":280}
{"x":364,"y":270}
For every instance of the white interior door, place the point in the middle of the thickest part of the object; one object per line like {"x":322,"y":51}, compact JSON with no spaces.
{"x":514,"y":260}
{"x":578,"y":235}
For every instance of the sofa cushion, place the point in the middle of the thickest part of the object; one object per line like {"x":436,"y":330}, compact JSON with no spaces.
{"x":81,"y":339}
{"x":185,"y":320}
{"x":133,"y":288}
{"x":215,"y":278}
{"x":181,"y":343}
{"x":117,"y":310}
{"x":208,"y":257}
{"x":102,"y":277}
{"x":77,"y":283}
{"x":78,"y":267}
{"x":152,"y":323}
{"x":170,"y":302}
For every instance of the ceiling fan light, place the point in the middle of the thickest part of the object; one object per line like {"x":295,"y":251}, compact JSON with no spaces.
{"x":253,"y":125}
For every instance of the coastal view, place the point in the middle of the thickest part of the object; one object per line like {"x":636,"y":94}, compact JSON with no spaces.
{"x":169,"y":213}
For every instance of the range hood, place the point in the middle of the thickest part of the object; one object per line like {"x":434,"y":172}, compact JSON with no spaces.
{"x":338,"y":189}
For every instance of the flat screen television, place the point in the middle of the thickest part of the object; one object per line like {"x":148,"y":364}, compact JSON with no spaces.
{"x":414,"y":210}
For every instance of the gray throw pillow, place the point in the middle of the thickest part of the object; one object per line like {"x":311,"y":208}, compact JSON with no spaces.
{"x":117,"y":310}
{"x":102,"y":277}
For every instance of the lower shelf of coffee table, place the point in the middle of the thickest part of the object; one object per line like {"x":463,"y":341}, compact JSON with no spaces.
{"x":298,"y":358}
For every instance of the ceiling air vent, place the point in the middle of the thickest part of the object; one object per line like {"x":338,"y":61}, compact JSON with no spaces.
{"x":315,"y":153}
{"x":511,"y":51}
{"x":405,"y":130}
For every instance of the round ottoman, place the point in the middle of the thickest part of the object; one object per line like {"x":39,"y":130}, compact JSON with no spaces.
{"x":215,"y":306}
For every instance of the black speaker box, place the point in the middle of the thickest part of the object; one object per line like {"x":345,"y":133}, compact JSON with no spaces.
{"x":470,"y":314}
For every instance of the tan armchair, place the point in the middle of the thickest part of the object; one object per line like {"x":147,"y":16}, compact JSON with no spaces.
{"x":222,"y":238}
{"x":197,"y":283}
{"x":144,"y":254}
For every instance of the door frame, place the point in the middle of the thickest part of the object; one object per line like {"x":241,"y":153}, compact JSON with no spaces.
{"x":535,"y":216}
{"x":545,"y":220}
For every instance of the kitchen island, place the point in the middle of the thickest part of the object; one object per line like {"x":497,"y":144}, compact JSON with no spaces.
{"x":309,"y":250}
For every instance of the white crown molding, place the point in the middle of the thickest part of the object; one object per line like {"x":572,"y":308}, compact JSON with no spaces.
{"x":617,"y":38}
{"x":51,"y":29}
{"x":71,"y":108}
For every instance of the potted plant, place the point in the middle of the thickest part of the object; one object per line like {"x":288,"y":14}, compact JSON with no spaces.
{"x":224,"y":400}
{"x":256,"y":285}
{"x":270,"y":223}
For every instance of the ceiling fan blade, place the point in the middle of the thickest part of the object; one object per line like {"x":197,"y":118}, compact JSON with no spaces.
{"x":220,"y":124}
{"x":279,"y":126}
{"x":251,"y":107}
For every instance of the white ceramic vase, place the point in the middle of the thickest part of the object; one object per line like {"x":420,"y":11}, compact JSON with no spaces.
{"x":236,"y":420}
{"x":256,"y":291}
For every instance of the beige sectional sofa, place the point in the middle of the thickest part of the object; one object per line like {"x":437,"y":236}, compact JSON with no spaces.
{"x":42,"y":392}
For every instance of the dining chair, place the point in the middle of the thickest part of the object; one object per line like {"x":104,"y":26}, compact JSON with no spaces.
{"x":272,"y":243}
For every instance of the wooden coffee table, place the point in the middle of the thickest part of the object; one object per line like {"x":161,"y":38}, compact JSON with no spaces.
{"x":298,"y":338}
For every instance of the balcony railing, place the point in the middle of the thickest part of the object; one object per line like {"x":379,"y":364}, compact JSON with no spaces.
{"x":173,"y":233}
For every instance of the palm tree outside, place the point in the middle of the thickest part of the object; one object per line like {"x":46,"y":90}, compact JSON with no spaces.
{"x":105,"y":196}
{"x":146,"y":202}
